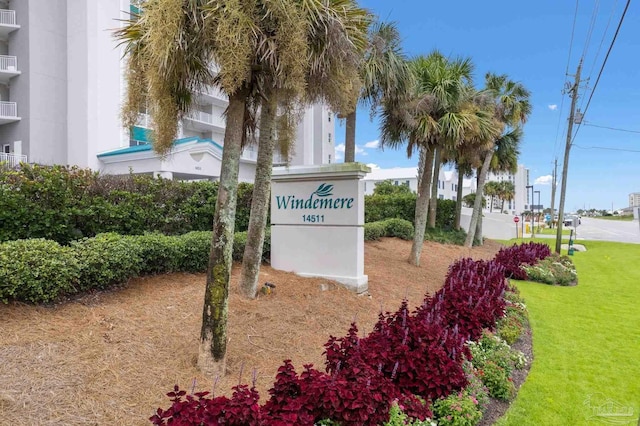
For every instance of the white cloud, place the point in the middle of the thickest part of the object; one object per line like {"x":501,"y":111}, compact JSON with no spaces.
{"x":372,"y":144}
{"x":552,"y":107}
{"x":544,"y":180}
{"x":373,"y":166}
{"x":340,"y":148}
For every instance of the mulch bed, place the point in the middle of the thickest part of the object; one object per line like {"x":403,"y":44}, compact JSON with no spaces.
{"x":110,"y":357}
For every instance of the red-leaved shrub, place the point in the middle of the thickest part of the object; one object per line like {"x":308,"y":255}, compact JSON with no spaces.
{"x":512,"y":258}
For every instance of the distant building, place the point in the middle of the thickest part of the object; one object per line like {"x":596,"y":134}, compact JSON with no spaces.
{"x":634,"y":199}
{"x":61,"y":89}
{"x":448,"y":184}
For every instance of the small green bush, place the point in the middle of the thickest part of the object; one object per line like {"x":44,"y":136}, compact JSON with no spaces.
{"x":159,"y":253}
{"x":107,"y":259}
{"x":36,"y":270}
{"x":510,"y":327}
{"x":196,"y":247}
{"x":399,"y":228}
{"x":495,"y":361}
{"x":374,"y":231}
{"x":398,"y":418}
{"x":443,"y":236}
{"x":553,"y":269}
{"x":457,"y":409}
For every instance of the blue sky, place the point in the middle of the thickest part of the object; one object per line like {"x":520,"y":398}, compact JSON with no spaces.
{"x":529,"y":41}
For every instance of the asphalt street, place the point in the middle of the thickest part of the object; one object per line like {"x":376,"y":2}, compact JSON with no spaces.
{"x":608,"y":230}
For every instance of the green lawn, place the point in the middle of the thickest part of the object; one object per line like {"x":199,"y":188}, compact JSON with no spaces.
{"x":628,"y":217}
{"x":549,"y":231}
{"x":586,"y":343}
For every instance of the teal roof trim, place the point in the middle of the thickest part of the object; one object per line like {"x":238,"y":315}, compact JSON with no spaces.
{"x":149,"y":147}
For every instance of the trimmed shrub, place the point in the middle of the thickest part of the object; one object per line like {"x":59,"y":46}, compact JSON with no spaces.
{"x":159,"y":253}
{"x":36,"y":270}
{"x":381,"y":207}
{"x":457,"y":409}
{"x":554,"y":269}
{"x":518,"y":255}
{"x":399,"y":228}
{"x":195,"y":247}
{"x":107,"y":259}
{"x":374,"y":231}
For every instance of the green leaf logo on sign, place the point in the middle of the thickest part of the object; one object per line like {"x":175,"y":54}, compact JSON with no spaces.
{"x":324,"y":190}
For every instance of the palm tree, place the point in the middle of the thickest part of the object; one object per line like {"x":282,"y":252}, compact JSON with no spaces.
{"x":491,"y":189}
{"x":171,"y":47}
{"x":511,"y":110}
{"x":507,"y":192}
{"x":331,"y":61}
{"x":437,"y":112}
{"x":384,"y":72}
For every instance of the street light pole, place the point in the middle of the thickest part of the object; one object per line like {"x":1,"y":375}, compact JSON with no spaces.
{"x":531,"y":206}
{"x":538,"y":205}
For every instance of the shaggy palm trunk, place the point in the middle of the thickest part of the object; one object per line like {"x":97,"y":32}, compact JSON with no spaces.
{"x":213,"y":335}
{"x":475,"y":227}
{"x":502,"y":207}
{"x":260,"y":200}
{"x":491,"y":206}
{"x":422,"y":209}
{"x":433,"y":203}
{"x":459,"y":200}
{"x":350,"y":138}
{"x":421,"y":161}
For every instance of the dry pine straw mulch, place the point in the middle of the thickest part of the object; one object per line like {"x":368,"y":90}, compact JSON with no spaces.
{"x":110,"y":357}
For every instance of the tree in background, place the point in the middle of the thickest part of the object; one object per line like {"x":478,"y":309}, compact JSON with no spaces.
{"x":511,"y":110}
{"x":384,"y":73}
{"x":387,"y":187}
{"x":506,"y":192}
{"x":491,"y":190}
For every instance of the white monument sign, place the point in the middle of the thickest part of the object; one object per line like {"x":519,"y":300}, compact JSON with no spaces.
{"x":317,"y":222}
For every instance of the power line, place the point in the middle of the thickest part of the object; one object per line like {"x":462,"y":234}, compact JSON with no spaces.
{"x":615,"y":36}
{"x":592,"y":24}
{"x":612,"y":128}
{"x":608,"y":148}
{"x":566,"y":73}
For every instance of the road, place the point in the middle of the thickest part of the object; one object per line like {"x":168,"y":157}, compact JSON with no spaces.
{"x":609,"y":230}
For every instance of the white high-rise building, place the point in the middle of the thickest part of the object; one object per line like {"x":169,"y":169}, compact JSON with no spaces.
{"x":61,"y":87}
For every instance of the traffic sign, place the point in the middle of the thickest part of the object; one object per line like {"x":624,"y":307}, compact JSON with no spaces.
{"x":516,"y":219}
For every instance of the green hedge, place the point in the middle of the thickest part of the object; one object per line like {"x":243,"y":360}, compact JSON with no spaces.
{"x":403,"y":206}
{"x":39,"y":270}
{"x":388,"y":228}
{"x":66,"y":203}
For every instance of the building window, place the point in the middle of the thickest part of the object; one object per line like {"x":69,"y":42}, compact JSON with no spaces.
{"x":396,"y":183}
{"x":407,"y":183}
{"x":6,"y":149}
{"x":329,"y":137}
{"x":329,"y":158}
{"x":329,"y":117}
{"x":441,"y":197}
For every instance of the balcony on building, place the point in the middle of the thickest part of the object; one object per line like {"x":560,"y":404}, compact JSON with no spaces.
{"x":8,"y":68}
{"x":11,"y":160}
{"x":7,"y":23}
{"x":8,"y":112}
{"x":204,"y":121}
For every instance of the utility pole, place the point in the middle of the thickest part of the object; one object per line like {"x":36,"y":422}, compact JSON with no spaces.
{"x":554,"y":182}
{"x":573,"y":92}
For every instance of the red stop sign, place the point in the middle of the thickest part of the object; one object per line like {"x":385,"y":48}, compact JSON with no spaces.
{"x":516,"y":219}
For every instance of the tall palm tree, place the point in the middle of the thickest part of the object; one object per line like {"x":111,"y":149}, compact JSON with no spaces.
{"x":511,"y":110}
{"x":384,"y":72}
{"x":491,"y":189}
{"x":437,"y":112}
{"x":506,"y":193}
{"x":171,"y":46}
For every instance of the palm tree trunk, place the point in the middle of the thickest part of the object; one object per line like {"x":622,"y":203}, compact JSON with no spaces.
{"x":213,"y":335}
{"x":491,"y":206}
{"x":421,"y":161}
{"x":502,"y":207}
{"x":260,"y":199}
{"x":475,"y":227}
{"x":422,"y":209}
{"x":350,"y":138}
{"x":433,"y":203}
{"x":459,"y":199}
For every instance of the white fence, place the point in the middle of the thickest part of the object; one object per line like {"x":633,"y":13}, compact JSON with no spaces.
{"x":8,"y":109}
{"x":12,"y":160}
{"x":8,"y":63}
{"x":7,"y":17}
